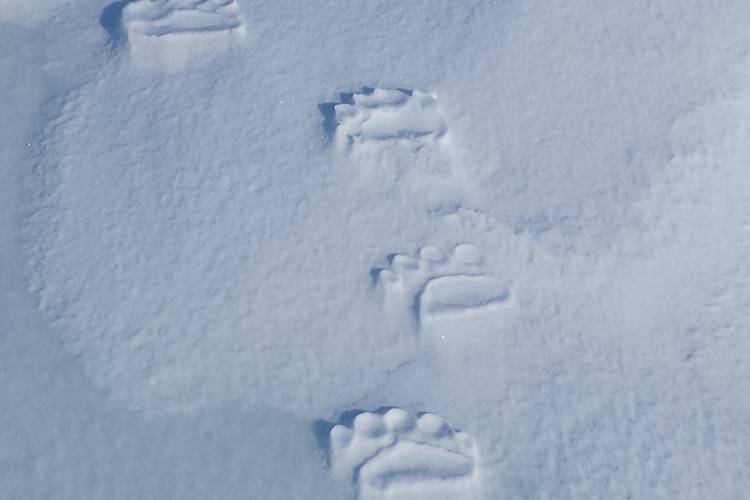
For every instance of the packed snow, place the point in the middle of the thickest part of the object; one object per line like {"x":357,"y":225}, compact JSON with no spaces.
{"x":375,"y":250}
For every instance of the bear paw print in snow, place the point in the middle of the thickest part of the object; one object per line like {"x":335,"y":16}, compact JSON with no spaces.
{"x":166,"y":18}
{"x":376,"y":117}
{"x":399,"y":456}
{"x":434,"y":286}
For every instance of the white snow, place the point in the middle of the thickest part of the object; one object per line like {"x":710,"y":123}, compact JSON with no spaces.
{"x":27,"y":13}
{"x":374,"y":250}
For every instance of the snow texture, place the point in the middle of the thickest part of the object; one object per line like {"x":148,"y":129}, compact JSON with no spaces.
{"x":27,"y":13}
{"x":230,"y":226}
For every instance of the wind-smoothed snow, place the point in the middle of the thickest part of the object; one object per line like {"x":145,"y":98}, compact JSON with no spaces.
{"x":374,"y":250}
{"x":14,"y":12}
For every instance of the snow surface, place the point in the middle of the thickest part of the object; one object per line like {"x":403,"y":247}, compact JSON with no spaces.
{"x":405,"y":250}
{"x":27,"y":13}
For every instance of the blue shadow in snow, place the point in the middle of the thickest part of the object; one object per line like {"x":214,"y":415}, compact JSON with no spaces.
{"x":111,"y":21}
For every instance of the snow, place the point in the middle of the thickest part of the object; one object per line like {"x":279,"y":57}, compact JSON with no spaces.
{"x":371,"y":250}
{"x":383,"y":454}
{"x":27,"y":13}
